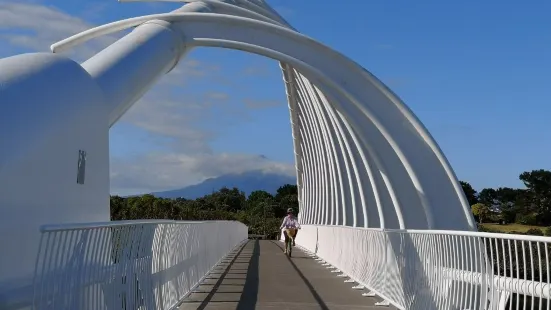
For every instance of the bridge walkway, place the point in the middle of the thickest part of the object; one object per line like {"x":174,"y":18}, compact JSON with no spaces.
{"x":261,"y":276}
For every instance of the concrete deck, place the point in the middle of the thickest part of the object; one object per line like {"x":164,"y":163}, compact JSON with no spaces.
{"x":261,"y":276}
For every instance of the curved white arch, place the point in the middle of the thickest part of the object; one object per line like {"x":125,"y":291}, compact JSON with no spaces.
{"x":336,"y":182}
{"x":362,"y":158}
{"x":344,"y":81}
{"x":369,"y":114}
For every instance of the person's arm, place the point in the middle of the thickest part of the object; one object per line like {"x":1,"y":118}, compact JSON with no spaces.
{"x":283,"y":224}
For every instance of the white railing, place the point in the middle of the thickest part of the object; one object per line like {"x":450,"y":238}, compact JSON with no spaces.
{"x":417,"y":269}
{"x":130,"y":264}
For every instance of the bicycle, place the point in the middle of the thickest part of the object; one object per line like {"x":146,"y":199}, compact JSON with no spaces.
{"x":290,"y":234}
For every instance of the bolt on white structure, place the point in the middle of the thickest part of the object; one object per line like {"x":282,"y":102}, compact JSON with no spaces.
{"x":362,"y":158}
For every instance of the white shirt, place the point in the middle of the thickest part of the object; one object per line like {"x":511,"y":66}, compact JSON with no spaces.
{"x":289,"y":222}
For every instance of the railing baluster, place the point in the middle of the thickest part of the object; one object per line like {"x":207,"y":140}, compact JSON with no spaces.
{"x":111,"y":265}
{"x":119,"y":263}
{"x":469,"y":270}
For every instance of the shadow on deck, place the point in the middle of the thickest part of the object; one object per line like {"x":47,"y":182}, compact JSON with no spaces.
{"x":261,"y":276}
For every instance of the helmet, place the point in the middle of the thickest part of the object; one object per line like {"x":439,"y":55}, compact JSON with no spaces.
{"x":290,"y":210}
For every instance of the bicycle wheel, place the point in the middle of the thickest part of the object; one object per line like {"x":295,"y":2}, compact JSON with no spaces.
{"x":289,"y":247}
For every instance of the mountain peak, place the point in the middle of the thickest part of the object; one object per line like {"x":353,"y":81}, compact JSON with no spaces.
{"x":247,"y":181}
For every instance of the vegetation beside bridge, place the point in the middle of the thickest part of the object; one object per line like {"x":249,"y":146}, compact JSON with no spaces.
{"x":514,"y":210}
{"x":504,"y":209}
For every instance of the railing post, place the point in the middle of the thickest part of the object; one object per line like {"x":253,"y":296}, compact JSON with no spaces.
{"x":317,"y":240}
{"x":385,"y":302}
{"x":79,"y":261}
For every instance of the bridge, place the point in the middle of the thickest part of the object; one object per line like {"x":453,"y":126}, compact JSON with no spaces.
{"x":385,"y":221}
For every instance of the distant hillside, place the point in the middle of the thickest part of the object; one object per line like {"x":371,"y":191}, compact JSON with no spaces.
{"x":247,"y":182}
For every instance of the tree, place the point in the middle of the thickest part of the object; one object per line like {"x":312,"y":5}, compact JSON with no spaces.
{"x":260,"y":210}
{"x":470,"y":192}
{"x":509,"y":202}
{"x":118,"y":207}
{"x":286,"y":202}
{"x":530,"y":205}
{"x":481,"y":211}
{"x":538,"y":194}
{"x":487,"y":196}
{"x":260,"y":206}
{"x":286,"y":190}
{"x":256,"y":197}
{"x":229,"y":200}
{"x":508,"y":196}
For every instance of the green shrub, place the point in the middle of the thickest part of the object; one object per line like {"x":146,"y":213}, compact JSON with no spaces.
{"x":483,"y":228}
{"x":534,"y":232}
{"x":514,"y":232}
{"x":508,"y":215}
{"x":527,"y":219}
{"x":493,"y":218}
{"x":547,"y":231}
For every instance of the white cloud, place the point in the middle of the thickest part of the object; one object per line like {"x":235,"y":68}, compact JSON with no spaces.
{"x":162,"y":171}
{"x":181,"y":118}
{"x":164,"y":112}
{"x":34,"y":27}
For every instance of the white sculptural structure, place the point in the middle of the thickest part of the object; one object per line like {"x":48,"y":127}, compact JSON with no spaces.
{"x":362,"y":158}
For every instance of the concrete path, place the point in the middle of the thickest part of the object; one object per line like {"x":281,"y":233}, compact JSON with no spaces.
{"x":261,"y":276}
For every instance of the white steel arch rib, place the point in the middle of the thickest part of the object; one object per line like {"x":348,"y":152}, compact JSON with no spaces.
{"x":362,"y":157}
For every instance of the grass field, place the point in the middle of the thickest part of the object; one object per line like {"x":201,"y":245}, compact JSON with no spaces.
{"x":511,"y":227}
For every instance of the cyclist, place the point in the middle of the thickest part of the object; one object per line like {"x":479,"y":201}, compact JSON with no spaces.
{"x":290,"y":221}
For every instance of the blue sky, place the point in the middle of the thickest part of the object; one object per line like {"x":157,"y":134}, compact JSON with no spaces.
{"x":475,"y":72}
